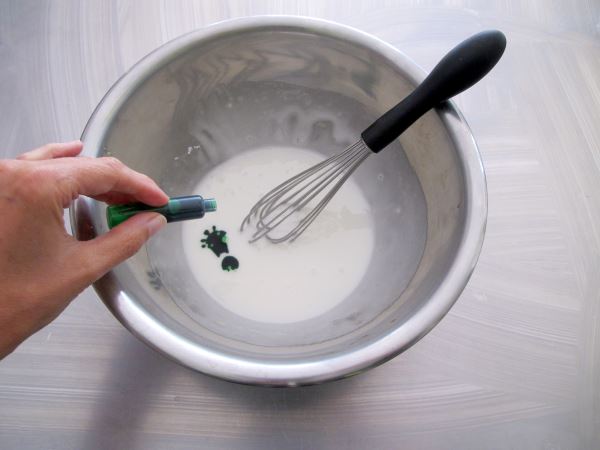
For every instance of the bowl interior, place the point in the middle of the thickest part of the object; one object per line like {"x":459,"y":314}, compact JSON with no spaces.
{"x":287,"y":86}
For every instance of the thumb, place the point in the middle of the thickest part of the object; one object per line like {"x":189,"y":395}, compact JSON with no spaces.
{"x":120,"y":243}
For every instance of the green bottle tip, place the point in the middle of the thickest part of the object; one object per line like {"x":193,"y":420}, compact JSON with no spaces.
{"x":210,"y":204}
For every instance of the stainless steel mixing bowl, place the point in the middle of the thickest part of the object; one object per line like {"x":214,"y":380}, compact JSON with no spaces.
{"x":243,"y":84}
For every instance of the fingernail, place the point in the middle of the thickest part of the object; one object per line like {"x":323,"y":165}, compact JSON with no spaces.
{"x":156,"y":223}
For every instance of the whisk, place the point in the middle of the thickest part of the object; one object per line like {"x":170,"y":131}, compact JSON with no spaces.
{"x":308,"y":193}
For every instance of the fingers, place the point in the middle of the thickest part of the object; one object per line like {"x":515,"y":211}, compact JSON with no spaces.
{"x":116,"y":198}
{"x":104,"y":252}
{"x":52,"y":151}
{"x":106,"y":179}
{"x":102,"y":178}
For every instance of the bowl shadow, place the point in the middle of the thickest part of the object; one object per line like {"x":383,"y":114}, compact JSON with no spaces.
{"x":140,"y":380}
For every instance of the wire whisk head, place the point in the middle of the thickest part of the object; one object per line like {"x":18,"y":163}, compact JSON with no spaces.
{"x":296,"y":203}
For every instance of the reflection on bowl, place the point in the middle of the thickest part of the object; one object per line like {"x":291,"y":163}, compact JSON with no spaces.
{"x":210,"y":95}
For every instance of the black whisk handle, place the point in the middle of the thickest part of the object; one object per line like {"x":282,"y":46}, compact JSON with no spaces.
{"x":461,"y":68}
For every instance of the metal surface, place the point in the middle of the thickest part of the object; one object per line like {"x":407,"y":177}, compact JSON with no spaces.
{"x":515,"y":364}
{"x":423,"y":256}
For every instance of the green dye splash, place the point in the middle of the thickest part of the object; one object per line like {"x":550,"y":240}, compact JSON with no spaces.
{"x":216,"y":241}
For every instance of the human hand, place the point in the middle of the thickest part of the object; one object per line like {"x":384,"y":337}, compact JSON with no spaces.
{"x":42,"y":267}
